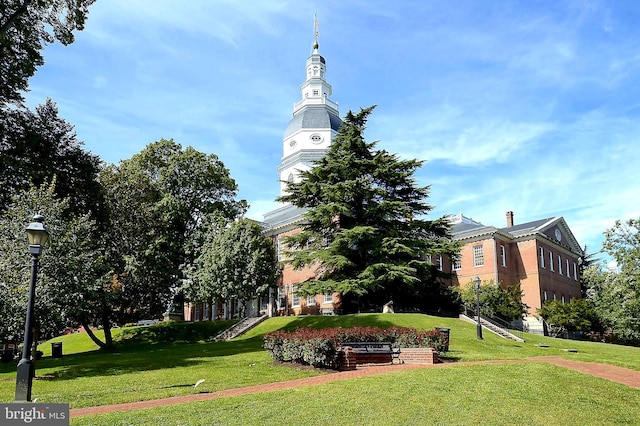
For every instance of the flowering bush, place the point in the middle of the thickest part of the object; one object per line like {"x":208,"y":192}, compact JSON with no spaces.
{"x":320,"y":348}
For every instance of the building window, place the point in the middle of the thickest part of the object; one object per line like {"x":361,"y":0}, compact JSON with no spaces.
{"x":559,"y":265}
{"x":567,"y":270}
{"x":327,"y":298}
{"x":280,"y":247}
{"x":541,"y":251}
{"x":311,"y":300}
{"x":282,"y":298}
{"x":503,"y":256}
{"x":554,"y":296}
{"x":439,"y":262}
{"x":295,"y":298}
{"x":205,"y":312}
{"x":551,"y":260}
{"x":544,"y":295}
{"x":457,"y":263}
{"x":196,"y":314}
{"x":575,"y":271}
{"x":478,"y":256}
{"x":562,"y":299}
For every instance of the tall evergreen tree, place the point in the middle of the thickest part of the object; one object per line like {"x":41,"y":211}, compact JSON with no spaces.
{"x":364,"y":231}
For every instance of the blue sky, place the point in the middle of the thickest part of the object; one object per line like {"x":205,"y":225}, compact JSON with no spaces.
{"x":530,"y":106}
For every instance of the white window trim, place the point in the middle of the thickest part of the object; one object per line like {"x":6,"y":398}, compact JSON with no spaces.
{"x":281,"y":298}
{"x":559,"y":264}
{"x":327,"y":298}
{"x":311,"y":300}
{"x":478,"y":256}
{"x":295,"y":298}
{"x":457,"y":263}
{"x":541,"y":256}
{"x":551,"y":260}
{"x":503,"y":256}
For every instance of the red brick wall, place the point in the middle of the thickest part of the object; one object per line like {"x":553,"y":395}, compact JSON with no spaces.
{"x":418,"y":356}
{"x":523,"y":266}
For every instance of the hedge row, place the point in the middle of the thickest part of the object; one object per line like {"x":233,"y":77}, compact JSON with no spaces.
{"x":320,"y":348}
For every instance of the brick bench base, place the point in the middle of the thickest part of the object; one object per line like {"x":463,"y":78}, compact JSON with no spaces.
{"x":348,"y":359}
{"x":418,"y":356}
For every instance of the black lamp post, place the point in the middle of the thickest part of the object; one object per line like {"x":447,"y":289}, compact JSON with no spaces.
{"x":476,"y":283}
{"x":38,"y":237}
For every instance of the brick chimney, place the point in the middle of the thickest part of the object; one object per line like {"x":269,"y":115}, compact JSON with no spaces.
{"x":509,"y":219}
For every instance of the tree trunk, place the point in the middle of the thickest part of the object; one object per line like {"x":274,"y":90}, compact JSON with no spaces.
{"x":106,"y":324}
{"x":93,"y":337}
{"x":9,"y":23}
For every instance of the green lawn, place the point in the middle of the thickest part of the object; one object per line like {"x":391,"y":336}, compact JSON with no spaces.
{"x":507,"y":394}
{"x":167,"y":360}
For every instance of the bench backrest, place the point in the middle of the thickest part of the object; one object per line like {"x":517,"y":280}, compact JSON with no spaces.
{"x":370,"y":347}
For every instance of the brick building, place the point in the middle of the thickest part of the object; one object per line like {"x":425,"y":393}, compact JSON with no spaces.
{"x":542,"y":255}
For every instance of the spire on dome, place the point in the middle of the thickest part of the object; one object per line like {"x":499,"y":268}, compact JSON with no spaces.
{"x":317,"y":34}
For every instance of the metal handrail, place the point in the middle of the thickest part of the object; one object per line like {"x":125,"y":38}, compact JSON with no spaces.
{"x":500,"y":323}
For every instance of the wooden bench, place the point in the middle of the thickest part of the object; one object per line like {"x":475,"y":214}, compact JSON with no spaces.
{"x":373,"y":352}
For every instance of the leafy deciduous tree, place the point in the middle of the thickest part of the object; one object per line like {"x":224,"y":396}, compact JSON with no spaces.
{"x":38,"y":147}
{"x":26,"y":27}
{"x":236,"y":261}
{"x":618,"y":298}
{"x":494,"y":300}
{"x":71,"y":268}
{"x":158,"y":201}
{"x":576,"y":315}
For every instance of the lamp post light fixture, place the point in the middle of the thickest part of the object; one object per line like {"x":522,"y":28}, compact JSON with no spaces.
{"x":476,"y":284}
{"x":38,"y":237}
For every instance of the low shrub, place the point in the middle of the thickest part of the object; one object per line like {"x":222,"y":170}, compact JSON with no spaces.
{"x":320,"y":348}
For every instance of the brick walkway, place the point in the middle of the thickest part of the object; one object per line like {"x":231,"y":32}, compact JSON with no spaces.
{"x":617,"y":374}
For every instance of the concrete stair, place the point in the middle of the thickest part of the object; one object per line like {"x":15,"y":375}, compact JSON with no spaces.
{"x":494,"y":328}
{"x":239,"y":328}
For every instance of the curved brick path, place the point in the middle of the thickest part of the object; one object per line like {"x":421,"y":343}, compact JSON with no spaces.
{"x":609,"y":372}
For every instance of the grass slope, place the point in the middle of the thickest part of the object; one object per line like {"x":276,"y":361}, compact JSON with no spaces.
{"x":508,"y":394}
{"x":168,"y":359}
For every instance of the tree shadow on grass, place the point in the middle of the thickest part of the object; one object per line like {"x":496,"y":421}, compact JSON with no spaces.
{"x":185,"y":345}
{"x":143,"y":358}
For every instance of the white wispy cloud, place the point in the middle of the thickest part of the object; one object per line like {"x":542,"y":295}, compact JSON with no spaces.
{"x":515,"y":107}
